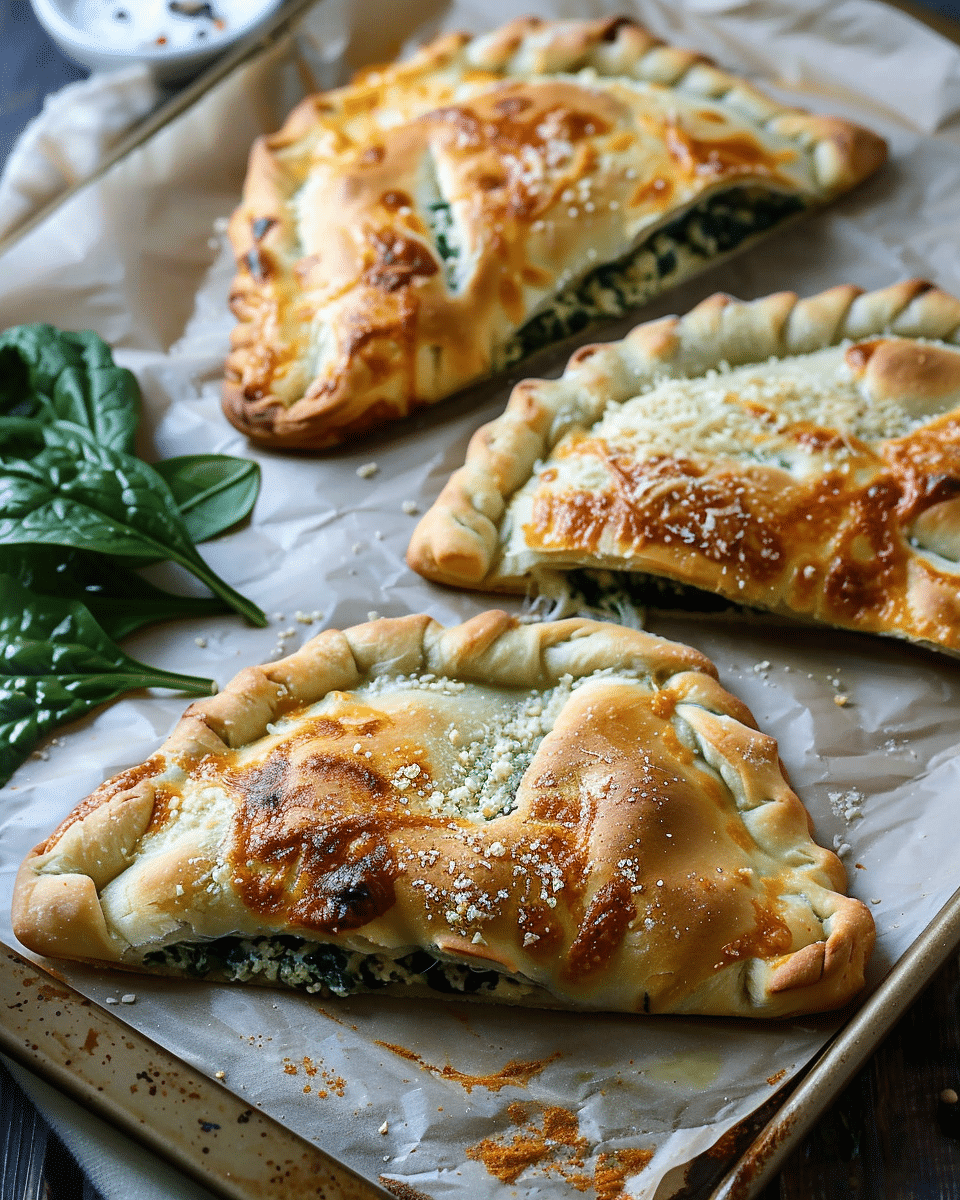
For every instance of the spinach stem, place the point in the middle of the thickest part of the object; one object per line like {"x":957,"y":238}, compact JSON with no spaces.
{"x":197,"y":566}
{"x":194,"y":685}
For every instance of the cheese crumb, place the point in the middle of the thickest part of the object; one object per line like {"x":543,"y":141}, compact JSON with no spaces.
{"x":410,"y":507}
{"x":200,"y":641}
{"x":368,"y":470}
{"x":384,"y":1128}
{"x":841,"y":701}
{"x":129,"y":998}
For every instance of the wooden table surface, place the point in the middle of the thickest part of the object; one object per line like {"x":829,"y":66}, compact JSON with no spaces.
{"x":891,"y":1135}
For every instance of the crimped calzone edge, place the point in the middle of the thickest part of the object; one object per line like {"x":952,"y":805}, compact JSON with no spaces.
{"x":440,"y":218}
{"x":569,"y":814}
{"x":795,"y":456}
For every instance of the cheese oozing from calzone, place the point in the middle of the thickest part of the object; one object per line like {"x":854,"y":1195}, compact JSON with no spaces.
{"x":568,"y":814}
{"x":795,"y":456}
{"x":441,"y":218}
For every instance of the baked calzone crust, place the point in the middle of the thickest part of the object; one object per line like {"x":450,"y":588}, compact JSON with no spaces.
{"x":568,"y":814}
{"x":441,"y":218}
{"x":799,"y":456}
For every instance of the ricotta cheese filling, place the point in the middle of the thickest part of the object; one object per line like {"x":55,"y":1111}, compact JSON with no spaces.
{"x":622,"y":596}
{"x":715,"y":227}
{"x":322,"y":968}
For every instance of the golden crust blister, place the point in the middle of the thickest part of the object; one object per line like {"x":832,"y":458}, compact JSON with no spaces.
{"x":396,"y":234}
{"x":798,"y":456}
{"x":577,"y":807}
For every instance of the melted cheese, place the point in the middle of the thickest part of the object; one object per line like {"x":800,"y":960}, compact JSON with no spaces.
{"x":414,"y":223}
{"x":801,"y":484}
{"x":574,"y":806}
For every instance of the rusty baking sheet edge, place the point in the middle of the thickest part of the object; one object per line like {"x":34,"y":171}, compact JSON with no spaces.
{"x":844,"y":1055}
{"x":195,"y":1123}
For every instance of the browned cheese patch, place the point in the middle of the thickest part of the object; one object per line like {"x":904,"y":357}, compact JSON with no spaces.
{"x":833,"y":545}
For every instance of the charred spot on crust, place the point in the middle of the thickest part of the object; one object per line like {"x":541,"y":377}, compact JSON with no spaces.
{"x":309,"y":841}
{"x":395,"y":199}
{"x":397,"y":260}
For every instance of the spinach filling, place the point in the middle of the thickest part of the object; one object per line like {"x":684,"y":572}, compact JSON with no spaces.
{"x":714,"y":228}
{"x":319,"y":967}
{"x":623,"y":594}
{"x":441,"y":227}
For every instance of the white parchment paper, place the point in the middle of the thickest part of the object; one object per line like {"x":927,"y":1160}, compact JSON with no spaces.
{"x":432,"y":1094}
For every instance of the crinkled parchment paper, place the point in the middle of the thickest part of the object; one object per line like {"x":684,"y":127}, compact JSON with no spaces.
{"x":404,"y":1091}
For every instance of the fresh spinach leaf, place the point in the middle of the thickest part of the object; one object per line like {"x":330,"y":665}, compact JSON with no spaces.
{"x":21,"y":437}
{"x":51,"y":374}
{"x":121,"y":600}
{"x":212,"y":491}
{"x":77,"y":493}
{"x":56,"y":664}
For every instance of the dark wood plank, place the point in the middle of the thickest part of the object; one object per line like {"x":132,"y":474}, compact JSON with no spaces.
{"x":890,"y":1136}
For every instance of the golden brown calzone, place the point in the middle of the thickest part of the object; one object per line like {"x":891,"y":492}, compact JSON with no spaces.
{"x":567,"y":814}
{"x":441,"y":218}
{"x":799,"y":456}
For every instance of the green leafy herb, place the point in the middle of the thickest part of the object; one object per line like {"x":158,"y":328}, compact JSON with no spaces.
{"x":76,"y":506}
{"x":120,"y":600}
{"x":212,"y":491}
{"x":60,"y":376}
{"x":56,"y":664}
{"x":78,"y":493}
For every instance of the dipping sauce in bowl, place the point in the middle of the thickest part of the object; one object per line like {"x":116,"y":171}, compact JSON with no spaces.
{"x":175,"y":37}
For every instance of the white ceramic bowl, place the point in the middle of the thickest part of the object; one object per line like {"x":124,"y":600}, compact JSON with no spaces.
{"x":175,"y":38}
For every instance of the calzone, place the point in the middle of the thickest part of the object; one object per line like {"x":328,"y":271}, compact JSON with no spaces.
{"x":567,"y":814}
{"x":441,"y":218}
{"x":796,"y":456}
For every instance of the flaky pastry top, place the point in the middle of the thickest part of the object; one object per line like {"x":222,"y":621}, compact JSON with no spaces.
{"x":574,"y":804}
{"x":396,"y":233}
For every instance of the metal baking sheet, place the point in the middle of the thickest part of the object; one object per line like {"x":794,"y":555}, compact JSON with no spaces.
{"x":193,"y":1121}
{"x":442,"y":441}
